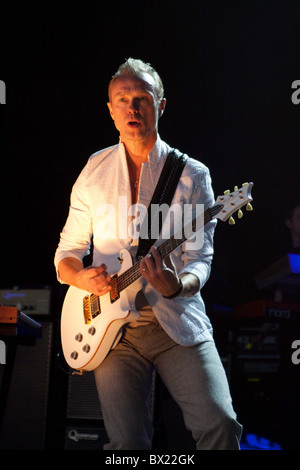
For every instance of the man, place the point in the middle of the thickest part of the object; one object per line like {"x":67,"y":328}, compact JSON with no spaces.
{"x":173,"y":333}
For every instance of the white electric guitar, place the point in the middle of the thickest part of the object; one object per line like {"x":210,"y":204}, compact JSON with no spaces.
{"x":91,"y":325}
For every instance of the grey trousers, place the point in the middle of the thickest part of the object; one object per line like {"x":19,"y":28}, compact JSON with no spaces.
{"x":194,"y":376}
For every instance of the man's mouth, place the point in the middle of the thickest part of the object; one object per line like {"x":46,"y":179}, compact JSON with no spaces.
{"x":133,"y":123}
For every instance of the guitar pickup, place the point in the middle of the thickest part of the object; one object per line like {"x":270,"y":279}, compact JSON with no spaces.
{"x":95,"y":305}
{"x":114,"y":292}
{"x":91,"y":308}
{"x":87,"y":310}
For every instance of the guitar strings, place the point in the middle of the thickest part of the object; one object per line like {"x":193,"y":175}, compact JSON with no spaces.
{"x":133,"y":273}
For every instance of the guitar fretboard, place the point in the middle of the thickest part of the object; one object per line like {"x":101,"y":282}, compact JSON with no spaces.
{"x":133,"y":273}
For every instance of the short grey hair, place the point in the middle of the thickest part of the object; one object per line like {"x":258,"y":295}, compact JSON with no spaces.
{"x":136,"y":67}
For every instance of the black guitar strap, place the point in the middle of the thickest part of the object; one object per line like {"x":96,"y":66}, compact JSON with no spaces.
{"x":163,"y":194}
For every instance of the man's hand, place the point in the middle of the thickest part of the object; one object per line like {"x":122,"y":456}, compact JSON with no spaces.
{"x":94,"y":279}
{"x":160,"y":274}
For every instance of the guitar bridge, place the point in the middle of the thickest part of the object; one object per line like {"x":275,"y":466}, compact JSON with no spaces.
{"x":114,"y":293}
{"x":87,"y":310}
{"x":91,"y":308}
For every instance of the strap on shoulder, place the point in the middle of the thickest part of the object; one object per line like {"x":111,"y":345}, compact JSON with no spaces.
{"x":163,"y":194}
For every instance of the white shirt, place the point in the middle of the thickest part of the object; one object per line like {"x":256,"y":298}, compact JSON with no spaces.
{"x":100,"y":198}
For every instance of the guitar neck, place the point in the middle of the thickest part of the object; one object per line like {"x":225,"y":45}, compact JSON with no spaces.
{"x":182,"y":235}
{"x":133,"y":273}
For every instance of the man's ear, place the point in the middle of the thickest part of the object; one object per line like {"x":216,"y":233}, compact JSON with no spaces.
{"x":110,"y":110}
{"x":162,"y":107}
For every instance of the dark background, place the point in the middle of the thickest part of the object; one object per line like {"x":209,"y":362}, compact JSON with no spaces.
{"x":227,"y":67}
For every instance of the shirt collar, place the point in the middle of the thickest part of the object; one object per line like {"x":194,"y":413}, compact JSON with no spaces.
{"x":157,"y":152}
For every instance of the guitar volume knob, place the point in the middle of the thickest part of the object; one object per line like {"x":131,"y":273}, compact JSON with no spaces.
{"x":74,"y":355}
{"x":92,"y":330}
{"x":78,"y":337}
{"x":86,"y":348}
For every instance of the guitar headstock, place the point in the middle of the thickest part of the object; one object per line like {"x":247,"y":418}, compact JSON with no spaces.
{"x":229,"y":203}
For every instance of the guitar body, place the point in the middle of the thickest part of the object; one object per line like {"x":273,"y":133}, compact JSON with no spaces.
{"x":86,"y":344}
{"x":91,"y":325}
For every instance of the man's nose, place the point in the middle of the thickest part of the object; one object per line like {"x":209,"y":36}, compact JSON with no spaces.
{"x":134,"y":105}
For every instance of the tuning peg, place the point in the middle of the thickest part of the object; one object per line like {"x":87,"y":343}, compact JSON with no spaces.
{"x":249,"y":207}
{"x":231,"y":221}
{"x":236,"y":188}
{"x":240,"y":214}
{"x":244,"y":184}
{"x":227,"y":191}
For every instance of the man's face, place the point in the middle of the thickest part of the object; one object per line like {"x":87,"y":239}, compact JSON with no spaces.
{"x":134,"y":107}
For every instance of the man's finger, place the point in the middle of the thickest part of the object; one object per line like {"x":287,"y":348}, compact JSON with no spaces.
{"x":94,"y":271}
